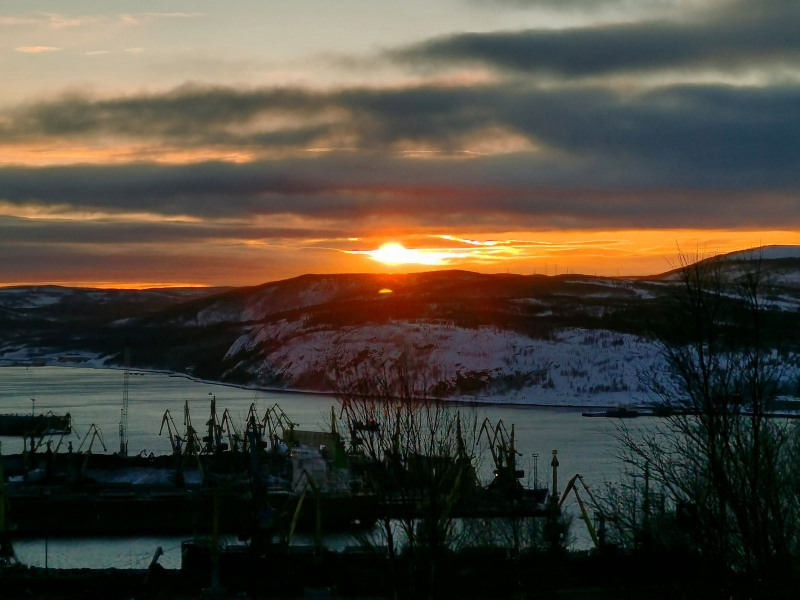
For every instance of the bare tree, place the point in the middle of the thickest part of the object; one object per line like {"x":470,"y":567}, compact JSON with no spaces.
{"x":727,"y":467}
{"x":417,"y":455}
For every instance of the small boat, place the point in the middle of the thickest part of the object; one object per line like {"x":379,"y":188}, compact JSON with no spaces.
{"x":615,"y":413}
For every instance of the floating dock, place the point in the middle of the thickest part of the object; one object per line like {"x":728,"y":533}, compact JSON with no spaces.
{"x":617,"y":413}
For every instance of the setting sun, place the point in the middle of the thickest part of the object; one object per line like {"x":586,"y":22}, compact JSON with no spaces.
{"x":394,"y":253}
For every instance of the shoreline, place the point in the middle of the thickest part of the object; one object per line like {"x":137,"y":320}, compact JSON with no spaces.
{"x":458,"y":402}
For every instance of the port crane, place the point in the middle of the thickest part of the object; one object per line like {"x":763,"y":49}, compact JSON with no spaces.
{"x":502,"y":447}
{"x":372,"y":427}
{"x":182,"y":446}
{"x":36,"y":444}
{"x":571,"y":487}
{"x":275,"y":419}
{"x":193,"y":446}
{"x":214,"y":440}
{"x":92,"y":435}
{"x":309,"y":483}
{"x":253,"y":430}
{"x":235,"y":440}
{"x":175,"y":440}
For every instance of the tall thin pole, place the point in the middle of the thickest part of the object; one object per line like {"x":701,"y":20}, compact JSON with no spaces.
{"x":123,"y":419}
{"x":554,"y":464}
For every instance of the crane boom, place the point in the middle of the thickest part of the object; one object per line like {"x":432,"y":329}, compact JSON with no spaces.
{"x":571,"y":487}
{"x":234,"y":438}
{"x":318,"y":512}
{"x":175,"y":439}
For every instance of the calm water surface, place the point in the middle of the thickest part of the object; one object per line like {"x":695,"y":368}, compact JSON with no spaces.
{"x":584,"y":446}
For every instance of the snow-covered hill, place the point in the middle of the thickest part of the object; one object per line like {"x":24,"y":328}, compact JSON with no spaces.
{"x":566,"y":340}
{"x":576,"y":367}
{"x":31,"y":298}
{"x":766,"y":253}
{"x":779,"y":267}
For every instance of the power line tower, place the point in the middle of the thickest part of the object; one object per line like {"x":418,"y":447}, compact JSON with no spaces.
{"x":123,"y":419}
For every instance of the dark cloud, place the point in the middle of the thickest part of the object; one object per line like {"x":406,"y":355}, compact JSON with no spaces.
{"x":583,"y":5}
{"x":194,"y":116}
{"x":577,"y":153}
{"x":503,"y":192}
{"x":45,"y":260}
{"x":734,"y":36}
{"x":701,"y":136}
{"x":672,"y":156}
{"x":59,"y":231}
{"x":189,"y":113}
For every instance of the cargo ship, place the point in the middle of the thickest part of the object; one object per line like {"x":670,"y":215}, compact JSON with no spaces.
{"x":28,"y":425}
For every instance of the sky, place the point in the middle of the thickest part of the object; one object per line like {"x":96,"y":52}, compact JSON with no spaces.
{"x":147,"y":143}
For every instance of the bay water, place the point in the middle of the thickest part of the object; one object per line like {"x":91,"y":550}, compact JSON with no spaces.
{"x":94,"y":396}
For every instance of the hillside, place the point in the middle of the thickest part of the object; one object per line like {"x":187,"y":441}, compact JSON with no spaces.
{"x":779,"y":264}
{"x":506,"y":338}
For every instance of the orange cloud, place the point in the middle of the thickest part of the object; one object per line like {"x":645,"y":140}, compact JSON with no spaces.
{"x":113,"y":285}
{"x":56,"y":153}
{"x":37,"y":49}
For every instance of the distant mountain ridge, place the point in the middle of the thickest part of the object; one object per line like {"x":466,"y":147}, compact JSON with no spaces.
{"x":765,"y":253}
{"x":567,"y":339}
{"x":780,"y":265}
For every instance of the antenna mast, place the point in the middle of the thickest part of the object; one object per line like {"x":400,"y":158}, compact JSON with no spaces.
{"x":123,"y":419}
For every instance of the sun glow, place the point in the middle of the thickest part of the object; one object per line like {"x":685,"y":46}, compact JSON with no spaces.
{"x":620,"y":252}
{"x":397,"y":254}
{"x":394,"y":253}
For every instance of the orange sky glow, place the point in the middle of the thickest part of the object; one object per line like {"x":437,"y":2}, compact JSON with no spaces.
{"x":133,"y":154}
{"x":602,"y":253}
{"x":636,"y":252}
